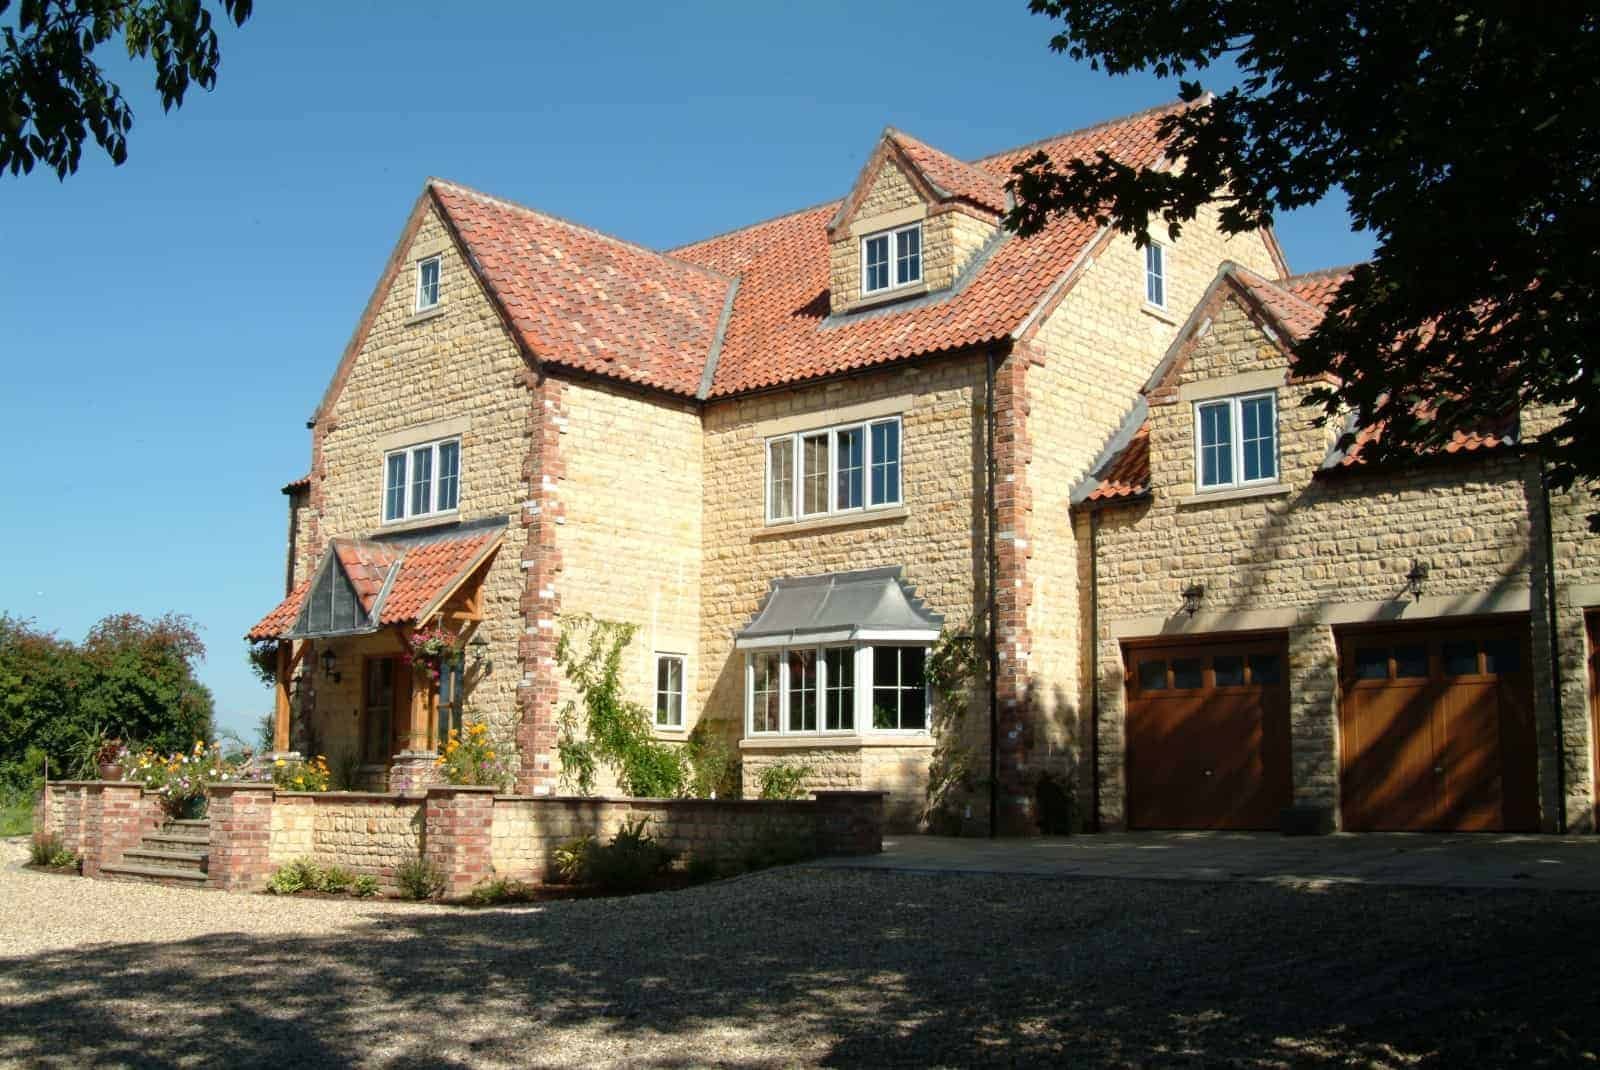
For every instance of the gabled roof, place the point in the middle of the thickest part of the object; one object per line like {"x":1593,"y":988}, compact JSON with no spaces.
{"x":950,"y":178}
{"x":582,"y":299}
{"x":394,"y":582}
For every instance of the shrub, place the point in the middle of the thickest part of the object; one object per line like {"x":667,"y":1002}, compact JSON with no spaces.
{"x":419,"y":879}
{"x":334,"y":879}
{"x":43,"y":848}
{"x":632,"y":860}
{"x":364,"y":887}
{"x":300,"y":775}
{"x":783,"y":780}
{"x":500,"y":890}
{"x":571,"y":859}
{"x":297,"y":876}
{"x":345,"y":770}
{"x":713,"y":770}
{"x":472,"y":758}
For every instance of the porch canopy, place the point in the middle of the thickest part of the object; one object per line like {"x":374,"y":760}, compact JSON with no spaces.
{"x":362,"y":586}
{"x":840,"y":607}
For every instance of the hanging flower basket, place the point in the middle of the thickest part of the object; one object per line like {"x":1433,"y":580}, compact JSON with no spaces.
{"x":431,"y":648}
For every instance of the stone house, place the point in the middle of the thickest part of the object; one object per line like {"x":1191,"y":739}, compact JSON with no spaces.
{"x":791,"y":455}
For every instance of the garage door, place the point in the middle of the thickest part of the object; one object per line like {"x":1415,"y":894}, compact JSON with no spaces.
{"x":1436,"y":729}
{"x":1208,"y":734}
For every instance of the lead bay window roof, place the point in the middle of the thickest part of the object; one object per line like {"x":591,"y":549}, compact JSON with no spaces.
{"x":873,"y":604}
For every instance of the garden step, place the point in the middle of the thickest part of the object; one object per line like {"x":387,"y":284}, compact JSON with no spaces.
{"x":199,"y":823}
{"x":193,"y":861}
{"x":126,"y":871}
{"x":164,"y":841}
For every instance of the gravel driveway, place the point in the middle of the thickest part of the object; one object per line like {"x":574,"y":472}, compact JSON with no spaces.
{"x":802,"y":967}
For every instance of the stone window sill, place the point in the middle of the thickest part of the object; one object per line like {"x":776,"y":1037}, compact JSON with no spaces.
{"x":824,"y":523}
{"x":839,"y":742}
{"x":1159,"y":313}
{"x":426,"y":314}
{"x":437,"y":520}
{"x":1235,"y":494}
{"x":887,"y":297}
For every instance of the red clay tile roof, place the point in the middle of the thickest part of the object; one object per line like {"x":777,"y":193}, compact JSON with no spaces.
{"x":1317,"y":287}
{"x":1128,"y":474}
{"x":585,"y":300}
{"x":780,"y":331}
{"x":953,"y":177}
{"x":282,"y":617}
{"x":1298,"y":316}
{"x":1500,"y":436}
{"x":303,"y":483}
{"x":428,"y":572}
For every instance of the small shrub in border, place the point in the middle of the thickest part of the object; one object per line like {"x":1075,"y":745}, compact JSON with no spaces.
{"x":419,"y":879}
{"x":470,"y":758}
{"x":571,"y":859}
{"x":304,"y":875}
{"x":364,"y":886}
{"x":46,"y":850}
{"x":784,"y":780}
{"x":631,"y":861}
{"x":299,"y":775}
{"x":500,"y":890}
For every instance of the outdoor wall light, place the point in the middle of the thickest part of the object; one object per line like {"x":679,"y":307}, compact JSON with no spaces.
{"x":1416,"y":578}
{"x":1192,"y":595}
{"x":327,"y":666}
{"x":479,"y":646}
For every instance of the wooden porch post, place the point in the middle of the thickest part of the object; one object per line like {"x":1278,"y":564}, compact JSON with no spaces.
{"x":424,"y":696}
{"x":280,"y":709}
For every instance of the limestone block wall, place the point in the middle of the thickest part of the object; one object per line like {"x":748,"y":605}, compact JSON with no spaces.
{"x":632,"y":492}
{"x":899,"y":771}
{"x":1097,"y":349}
{"x":1315,"y":548}
{"x":453,"y":370}
{"x":373,"y":834}
{"x":936,"y":538}
{"x":891,"y":191}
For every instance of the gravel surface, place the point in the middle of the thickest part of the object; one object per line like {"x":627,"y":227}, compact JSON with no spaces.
{"x":801,"y":967}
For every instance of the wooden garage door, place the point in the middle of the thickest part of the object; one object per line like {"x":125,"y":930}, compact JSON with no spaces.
{"x":1208,"y":734}
{"x":1436,"y":728}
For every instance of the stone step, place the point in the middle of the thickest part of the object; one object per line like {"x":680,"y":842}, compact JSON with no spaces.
{"x":193,"y":861}
{"x":178,"y":878}
{"x":201,"y":824}
{"x":166,"y":841}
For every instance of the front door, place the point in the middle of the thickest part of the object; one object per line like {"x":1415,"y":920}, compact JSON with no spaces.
{"x":382,"y":726}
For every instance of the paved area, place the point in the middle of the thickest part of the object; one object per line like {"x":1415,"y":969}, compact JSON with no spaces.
{"x":1416,"y":859}
{"x":803,"y":967}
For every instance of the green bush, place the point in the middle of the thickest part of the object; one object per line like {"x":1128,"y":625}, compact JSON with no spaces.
{"x":46,"y":850}
{"x":571,"y":859}
{"x":304,"y":875}
{"x":364,"y":887}
{"x":419,"y":879}
{"x":783,"y":780}
{"x":631,"y":861}
{"x":334,"y":879}
{"x":713,"y":767}
{"x":501,"y":890}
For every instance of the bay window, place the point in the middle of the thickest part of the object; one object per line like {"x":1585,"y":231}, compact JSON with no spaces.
{"x":807,"y":690}
{"x":849,"y":468}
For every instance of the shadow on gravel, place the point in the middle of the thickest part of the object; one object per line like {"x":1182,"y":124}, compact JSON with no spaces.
{"x":851,"y":969}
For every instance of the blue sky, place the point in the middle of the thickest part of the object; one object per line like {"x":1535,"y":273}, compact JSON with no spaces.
{"x":170,"y":324}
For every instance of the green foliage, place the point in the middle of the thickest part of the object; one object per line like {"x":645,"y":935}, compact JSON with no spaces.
{"x":304,"y":875}
{"x":955,"y":664}
{"x":419,"y":879}
{"x":54,"y":95}
{"x":16,"y":814}
{"x":784,"y":780}
{"x":344,"y":770}
{"x":473,"y":758}
{"x":129,"y":679}
{"x":501,"y":890}
{"x":301,"y":774}
{"x":1464,"y":137}
{"x":47,"y":850}
{"x":571,"y":858}
{"x":600,"y":726}
{"x":631,"y":861}
{"x":262,"y":657}
{"x":713,"y":767}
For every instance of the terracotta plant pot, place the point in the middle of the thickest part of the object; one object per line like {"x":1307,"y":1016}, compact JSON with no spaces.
{"x":110,"y":771}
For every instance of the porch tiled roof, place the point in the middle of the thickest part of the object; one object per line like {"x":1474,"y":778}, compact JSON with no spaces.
{"x":429,"y":571}
{"x":1128,"y":474}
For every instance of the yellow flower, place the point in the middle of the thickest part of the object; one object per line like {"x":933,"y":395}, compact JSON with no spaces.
{"x":488,"y":754}
{"x":280,"y":761}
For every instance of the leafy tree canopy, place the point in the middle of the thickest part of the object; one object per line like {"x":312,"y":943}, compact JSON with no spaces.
{"x":131,"y":679}
{"x":1464,"y":135}
{"x":54,"y":96}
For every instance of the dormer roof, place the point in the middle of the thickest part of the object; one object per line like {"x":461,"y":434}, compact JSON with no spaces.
{"x":939,"y":177}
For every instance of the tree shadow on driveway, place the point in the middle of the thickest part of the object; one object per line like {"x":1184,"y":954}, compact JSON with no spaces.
{"x":847,"y":968}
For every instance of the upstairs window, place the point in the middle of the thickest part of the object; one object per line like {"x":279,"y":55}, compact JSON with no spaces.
{"x":833,"y":470}
{"x":891,"y":259}
{"x":1236,"y":441}
{"x":669,"y":690}
{"x":1155,"y":275}
{"x":422,"y":480}
{"x":428,"y":283}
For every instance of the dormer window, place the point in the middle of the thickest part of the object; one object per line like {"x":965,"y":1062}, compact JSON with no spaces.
{"x":428,"y":283}
{"x":891,"y":259}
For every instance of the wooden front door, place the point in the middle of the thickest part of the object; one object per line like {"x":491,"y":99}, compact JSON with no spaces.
{"x":386,"y":693}
{"x":1436,"y":728}
{"x":1208,"y":734}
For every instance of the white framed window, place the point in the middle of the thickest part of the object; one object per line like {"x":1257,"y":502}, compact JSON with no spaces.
{"x":428,"y":282}
{"x":837,"y":690}
{"x":422,"y":480}
{"x":831,"y":470}
{"x":1235,"y":441}
{"x":669,"y":690}
{"x":891,"y":259}
{"x":1155,"y":274}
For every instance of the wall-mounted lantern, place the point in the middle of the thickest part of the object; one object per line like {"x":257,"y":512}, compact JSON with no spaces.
{"x":479,"y":646}
{"x":328,"y":662}
{"x":1192,"y":596}
{"x":1415,"y":579}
